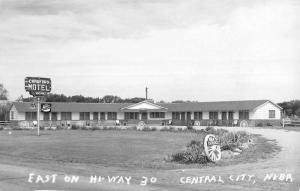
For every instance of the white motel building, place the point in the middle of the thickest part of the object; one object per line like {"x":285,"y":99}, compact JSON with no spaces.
{"x":226,"y":113}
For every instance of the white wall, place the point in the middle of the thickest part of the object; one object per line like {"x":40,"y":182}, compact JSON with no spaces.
{"x":205,"y":115}
{"x":168,"y":115}
{"x":16,"y":113}
{"x":236,"y":115}
{"x":120,"y":115}
{"x":262,"y":112}
{"x":75,"y":116}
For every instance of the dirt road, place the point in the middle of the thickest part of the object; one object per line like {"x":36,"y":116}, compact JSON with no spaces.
{"x":249,"y":176}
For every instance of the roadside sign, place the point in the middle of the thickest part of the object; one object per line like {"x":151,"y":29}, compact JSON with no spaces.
{"x":212,"y":147}
{"x":46,"y":107}
{"x":37,"y":86}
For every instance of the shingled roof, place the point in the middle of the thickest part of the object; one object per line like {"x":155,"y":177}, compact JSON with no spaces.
{"x":214,"y":106}
{"x":115,"y":107}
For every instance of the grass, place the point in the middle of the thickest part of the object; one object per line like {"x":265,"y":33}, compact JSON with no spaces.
{"x":128,"y":149}
{"x":110,"y":148}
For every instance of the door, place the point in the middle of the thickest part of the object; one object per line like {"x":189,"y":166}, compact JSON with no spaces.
{"x":188,"y":116}
{"x":144,"y":116}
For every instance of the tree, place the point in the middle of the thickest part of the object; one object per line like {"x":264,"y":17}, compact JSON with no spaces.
{"x":4,"y":111}
{"x":178,"y":101}
{"x":291,"y":107}
{"x":133,"y":100}
{"x":56,"y":98}
{"x":111,"y":99}
{"x":3,"y":92}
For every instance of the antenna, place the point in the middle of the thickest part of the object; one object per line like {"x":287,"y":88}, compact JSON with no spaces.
{"x":146,"y":93}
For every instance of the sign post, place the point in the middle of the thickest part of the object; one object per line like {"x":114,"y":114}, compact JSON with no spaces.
{"x":38,"y":116}
{"x":38,"y":87}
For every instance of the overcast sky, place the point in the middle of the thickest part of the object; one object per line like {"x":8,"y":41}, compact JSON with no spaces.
{"x":208,"y":50}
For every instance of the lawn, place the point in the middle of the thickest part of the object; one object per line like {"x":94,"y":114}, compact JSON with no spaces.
{"x":110,"y":148}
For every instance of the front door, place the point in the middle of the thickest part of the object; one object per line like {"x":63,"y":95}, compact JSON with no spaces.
{"x":144,"y":116}
{"x":188,"y":116}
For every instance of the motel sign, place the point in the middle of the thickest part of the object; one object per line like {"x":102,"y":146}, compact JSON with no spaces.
{"x":37,"y":86}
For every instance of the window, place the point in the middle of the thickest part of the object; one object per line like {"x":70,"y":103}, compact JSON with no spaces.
{"x":198,"y":115}
{"x":131,"y":115}
{"x":213,"y":115}
{"x":84,"y":116}
{"x":157,"y":115}
{"x":46,"y":116}
{"x":95,"y":116}
{"x":244,"y":114}
{"x":66,"y":116}
{"x":224,"y":115}
{"x":182,"y":115}
{"x":111,"y":115}
{"x":102,"y":115}
{"x":54,"y":116}
{"x":12,"y":115}
{"x":30,"y":116}
{"x":188,"y":115}
{"x":176,"y":115}
{"x":271,"y":114}
{"x":230,"y":115}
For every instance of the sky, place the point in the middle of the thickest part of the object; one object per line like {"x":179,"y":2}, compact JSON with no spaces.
{"x":208,"y":50}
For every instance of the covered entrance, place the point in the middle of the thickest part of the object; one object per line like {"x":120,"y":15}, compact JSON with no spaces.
{"x":144,"y":116}
{"x":146,"y":111}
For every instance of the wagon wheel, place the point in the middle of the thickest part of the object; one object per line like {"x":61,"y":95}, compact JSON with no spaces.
{"x":197,"y":123}
{"x":244,"y":123}
{"x":141,"y":125}
{"x":213,"y":152}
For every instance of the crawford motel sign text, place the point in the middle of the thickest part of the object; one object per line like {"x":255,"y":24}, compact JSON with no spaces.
{"x":38,"y":87}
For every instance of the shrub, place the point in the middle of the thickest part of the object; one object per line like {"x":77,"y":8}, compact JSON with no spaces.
{"x":259,"y":124}
{"x":148,"y":129}
{"x":194,"y":153}
{"x":74,"y":127}
{"x":166,"y":128}
{"x":110,"y":128}
{"x":16,"y":128}
{"x":269,"y":124}
{"x":94,"y":128}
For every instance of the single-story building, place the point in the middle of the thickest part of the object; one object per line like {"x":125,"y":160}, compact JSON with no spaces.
{"x":187,"y":113}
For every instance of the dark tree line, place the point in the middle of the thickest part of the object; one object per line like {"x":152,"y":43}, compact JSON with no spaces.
{"x":291,"y":108}
{"x":4,"y":106}
{"x":3,"y":92}
{"x":82,"y":99}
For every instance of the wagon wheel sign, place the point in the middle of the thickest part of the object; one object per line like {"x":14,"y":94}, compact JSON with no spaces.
{"x":244,"y":123}
{"x":197,"y":123}
{"x":141,"y":124}
{"x":212,"y":148}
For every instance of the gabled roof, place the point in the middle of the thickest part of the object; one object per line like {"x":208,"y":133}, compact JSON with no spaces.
{"x":144,"y":105}
{"x":116,"y":107}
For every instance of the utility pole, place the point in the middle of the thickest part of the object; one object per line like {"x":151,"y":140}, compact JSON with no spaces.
{"x":146,"y":93}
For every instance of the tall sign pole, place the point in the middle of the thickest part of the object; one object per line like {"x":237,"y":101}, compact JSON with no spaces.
{"x":38,"y":87}
{"x":38,"y":116}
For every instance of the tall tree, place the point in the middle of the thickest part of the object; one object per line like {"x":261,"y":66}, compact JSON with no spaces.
{"x":291,"y":107}
{"x":3,"y":92}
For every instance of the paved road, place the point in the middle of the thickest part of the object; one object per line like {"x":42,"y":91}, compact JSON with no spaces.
{"x":287,"y":162}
